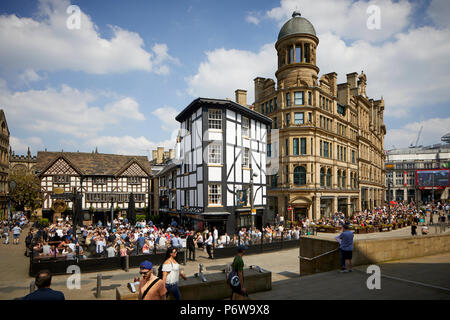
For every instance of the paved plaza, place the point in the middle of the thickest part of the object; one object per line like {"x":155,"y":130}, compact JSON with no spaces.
{"x":419,"y":278}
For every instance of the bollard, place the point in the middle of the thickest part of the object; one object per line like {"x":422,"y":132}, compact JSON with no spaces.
{"x":127,"y":263}
{"x":99,"y":285}
{"x":32,"y":287}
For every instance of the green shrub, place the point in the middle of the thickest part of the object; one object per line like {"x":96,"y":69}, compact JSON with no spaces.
{"x":44,"y":222}
{"x":140,"y":217}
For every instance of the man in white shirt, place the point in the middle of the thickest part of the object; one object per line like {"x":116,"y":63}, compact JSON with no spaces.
{"x":215,"y":234}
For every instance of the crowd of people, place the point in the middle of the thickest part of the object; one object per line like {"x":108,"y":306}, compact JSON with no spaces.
{"x":13,"y":226}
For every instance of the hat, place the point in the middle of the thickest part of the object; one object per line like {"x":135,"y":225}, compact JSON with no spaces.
{"x":146,"y":265}
{"x":242,"y":248}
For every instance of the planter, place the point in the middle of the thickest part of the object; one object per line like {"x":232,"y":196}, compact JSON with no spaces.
{"x":327,"y":230}
{"x":370,"y":230}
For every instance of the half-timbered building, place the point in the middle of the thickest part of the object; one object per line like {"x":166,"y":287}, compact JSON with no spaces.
{"x":101,"y":178}
{"x":219,"y":145}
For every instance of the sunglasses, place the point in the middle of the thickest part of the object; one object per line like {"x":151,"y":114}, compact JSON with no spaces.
{"x":143,"y":273}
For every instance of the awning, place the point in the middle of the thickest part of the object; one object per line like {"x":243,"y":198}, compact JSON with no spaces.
{"x":215,"y":213}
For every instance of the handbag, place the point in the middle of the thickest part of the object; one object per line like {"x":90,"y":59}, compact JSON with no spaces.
{"x":149,"y":287}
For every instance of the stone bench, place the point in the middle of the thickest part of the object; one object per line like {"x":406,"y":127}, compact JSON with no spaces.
{"x":216,"y":288}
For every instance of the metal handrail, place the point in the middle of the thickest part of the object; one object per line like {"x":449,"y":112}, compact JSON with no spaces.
{"x":321,"y":255}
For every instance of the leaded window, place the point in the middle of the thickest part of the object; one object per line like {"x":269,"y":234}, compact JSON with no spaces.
{"x":215,"y":119}
{"x":298,"y":97}
{"x":215,"y":153}
{"x":245,"y":127}
{"x":245,"y":158}
{"x":214,"y":194}
{"x":299,"y":118}
{"x":61,"y":179}
{"x":300,"y":176}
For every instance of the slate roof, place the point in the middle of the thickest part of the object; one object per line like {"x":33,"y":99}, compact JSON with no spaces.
{"x":100,"y":164}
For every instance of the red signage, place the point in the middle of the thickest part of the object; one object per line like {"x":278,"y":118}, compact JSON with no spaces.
{"x":290,"y":208}
{"x":405,"y":177}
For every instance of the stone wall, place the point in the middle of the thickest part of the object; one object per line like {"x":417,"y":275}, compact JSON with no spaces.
{"x":369,"y":251}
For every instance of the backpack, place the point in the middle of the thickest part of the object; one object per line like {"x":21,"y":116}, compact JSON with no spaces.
{"x":233,"y":279}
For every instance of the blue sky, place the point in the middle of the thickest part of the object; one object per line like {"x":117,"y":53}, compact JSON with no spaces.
{"x":118,"y":81}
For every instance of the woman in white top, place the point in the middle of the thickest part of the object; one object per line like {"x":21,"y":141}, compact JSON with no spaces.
{"x":171,"y":273}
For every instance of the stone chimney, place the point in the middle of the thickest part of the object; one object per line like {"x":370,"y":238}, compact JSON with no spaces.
{"x":154,"y":155}
{"x":259,"y":88}
{"x":241,"y":97}
{"x":352,"y":80}
{"x":160,"y":158}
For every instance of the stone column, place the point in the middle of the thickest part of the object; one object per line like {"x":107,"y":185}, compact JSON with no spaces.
{"x":311,"y":211}
{"x":317,"y":208}
{"x":334,"y":207}
{"x":349,"y":207}
{"x":405,"y":194}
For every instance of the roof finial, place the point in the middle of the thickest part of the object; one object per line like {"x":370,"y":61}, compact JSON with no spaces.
{"x":296,"y":13}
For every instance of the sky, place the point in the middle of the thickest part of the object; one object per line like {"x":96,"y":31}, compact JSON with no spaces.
{"x":113,"y":74}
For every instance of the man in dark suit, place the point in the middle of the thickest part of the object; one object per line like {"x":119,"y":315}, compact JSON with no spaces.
{"x":43,"y":282}
{"x":190,"y":245}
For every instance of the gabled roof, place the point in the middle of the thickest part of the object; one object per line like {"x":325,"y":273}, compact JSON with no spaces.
{"x":92,"y":164}
{"x":199,"y":102}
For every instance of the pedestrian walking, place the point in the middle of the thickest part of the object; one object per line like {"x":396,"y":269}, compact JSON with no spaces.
{"x":191,"y":246}
{"x":236,"y":276}
{"x":345,"y":240}
{"x":16,"y":234}
{"x":208,"y":243}
{"x":6,"y":233}
{"x":170,"y":272}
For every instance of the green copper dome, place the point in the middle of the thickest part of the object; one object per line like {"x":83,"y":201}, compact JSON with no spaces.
{"x":296,"y":25}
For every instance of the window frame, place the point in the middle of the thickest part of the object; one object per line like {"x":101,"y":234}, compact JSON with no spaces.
{"x":215,"y":119}
{"x":212,"y":149}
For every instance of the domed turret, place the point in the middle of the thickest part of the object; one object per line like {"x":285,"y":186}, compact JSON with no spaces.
{"x":296,"y":47}
{"x":296,"y":25}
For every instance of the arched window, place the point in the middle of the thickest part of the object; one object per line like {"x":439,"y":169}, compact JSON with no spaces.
{"x":299,"y":176}
{"x":339,"y":178}
{"x":329,"y":178}
{"x":322,"y":177}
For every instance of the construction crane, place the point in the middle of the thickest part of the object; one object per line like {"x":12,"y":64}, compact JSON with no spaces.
{"x":417,"y":140}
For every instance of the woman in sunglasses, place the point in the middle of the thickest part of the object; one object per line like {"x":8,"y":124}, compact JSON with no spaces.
{"x":171,"y":273}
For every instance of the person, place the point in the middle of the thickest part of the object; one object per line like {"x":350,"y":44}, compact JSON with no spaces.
{"x":43,"y":281}
{"x":16,"y":234}
{"x":345,"y":240}
{"x":215,"y":235}
{"x":414,"y":229}
{"x":28,"y":243}
{"x":150,"y":286}
{"x":171,"y":273}
{"x":424,"y":230}
{"x":238,"y":267}
{"x":209,"y":243}
{"x":442,"y":222}
{"x":199,"y":241}
{"x":111,"y":251}
{"x":191,"y":246}
{"x":6,"y":233}
{"x":175,"y":242}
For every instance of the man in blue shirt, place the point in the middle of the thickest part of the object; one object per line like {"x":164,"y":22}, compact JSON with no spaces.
{"x":345,"y":240}
{"x":43,"y":282}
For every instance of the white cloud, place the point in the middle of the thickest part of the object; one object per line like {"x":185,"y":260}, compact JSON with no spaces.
{"x":129,"y":145}
{"x":433,"y":130}
{"x":439,"y":12}
{"x":224,"y":71}
{"x":47,"y":44}
{"x":411,"y":70}
{"x":65,"y":110}
{"x":29,"y":76}
{"x":20,"y":145}
{"x":252,"y":19}
{"x":347,"y":18}
{"x":127,"y":108}
{"x":166,"y":116}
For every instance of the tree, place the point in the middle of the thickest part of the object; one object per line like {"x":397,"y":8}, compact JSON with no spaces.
{"x":27,"y":192}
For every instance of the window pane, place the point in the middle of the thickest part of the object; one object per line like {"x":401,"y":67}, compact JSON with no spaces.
{"x":288,"y":99}
{"x":303,"y":145}
{"x":298,"y":118}
{"x":298,"y":97}
{"x":298,"y":54}
{"x":215,"y":119}
{"x":215,"y":153}
{"x":245,"y":127}
{"x":295,"y":146}
{"x":291,"y":54}
{"x":214,"y":194}
{"x":288,"y":119}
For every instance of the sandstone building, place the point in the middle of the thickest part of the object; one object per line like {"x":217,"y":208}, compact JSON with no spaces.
{"x":328,"y":152}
